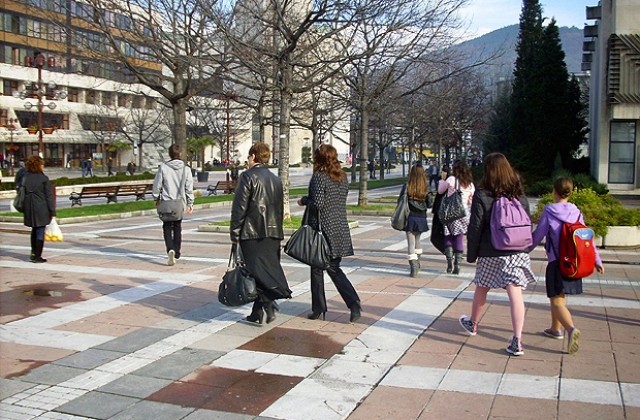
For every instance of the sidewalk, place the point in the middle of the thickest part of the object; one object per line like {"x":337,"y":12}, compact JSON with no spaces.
{"x":105,"y":330}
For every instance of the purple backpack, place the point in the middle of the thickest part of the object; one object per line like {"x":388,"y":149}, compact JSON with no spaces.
{"x":510,"y":225}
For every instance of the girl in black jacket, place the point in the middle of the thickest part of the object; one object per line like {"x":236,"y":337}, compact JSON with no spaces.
{"x":510,"y":270}
{"x":39,"y":205}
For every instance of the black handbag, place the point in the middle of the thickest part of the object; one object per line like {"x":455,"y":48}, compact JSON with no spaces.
{"x":451,"y":207}
{"x":18,"y":201}
{"x":238,"y":287}
{"x":401,"y":212}
{"x":308,"y":245}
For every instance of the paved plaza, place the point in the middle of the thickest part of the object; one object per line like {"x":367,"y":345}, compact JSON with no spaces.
{"x":106,"y":330}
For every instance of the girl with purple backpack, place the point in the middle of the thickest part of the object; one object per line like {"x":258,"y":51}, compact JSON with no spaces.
{"x":509,"y":270}
{"x":549,"y":226}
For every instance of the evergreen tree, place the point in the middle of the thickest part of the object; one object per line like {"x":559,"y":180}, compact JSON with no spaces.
{"x":547,"y":122}
{"x":527,"y":128}
{"x":499,"y":132}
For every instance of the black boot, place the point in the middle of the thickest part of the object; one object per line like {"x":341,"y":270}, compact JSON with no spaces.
{"x":448,"y":252}
{"x":413,"y":264}
{"x":457,"y":256}
{"x":270,"y":309}
{"x":256,"y":313}
{"x":355,"y":311}
{"x":32,"y":257}
{"x":38,"y":252}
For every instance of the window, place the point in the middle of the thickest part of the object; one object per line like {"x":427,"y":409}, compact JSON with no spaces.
{"x":122,"y":100}
{"x":92,"y":97}
{"x":72,"y":94}
{"x":622,"y":157}
{"x":137,"y":102}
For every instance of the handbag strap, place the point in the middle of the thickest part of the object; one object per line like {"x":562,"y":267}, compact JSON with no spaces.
{"x":305,"y":218}
{"x":235,"y":256}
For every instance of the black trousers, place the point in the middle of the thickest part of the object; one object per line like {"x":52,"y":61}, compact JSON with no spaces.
{"x":342,"y":283}
{"x":172,"y":232}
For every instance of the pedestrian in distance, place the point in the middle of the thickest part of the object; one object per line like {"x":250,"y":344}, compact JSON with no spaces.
{"x":509,"y":270}
{"x":20,"y":174}
{"x":454,"y":233}
{"x":39,"y":205}
{"x":89,"y":167}
{"x":434,"y":175}
{"x":167,"y":184}
{"x":256,"y":225}
{"x":549,"y":226}
{"x":83,"y":167}
{"x":371,"y":166}
{"x":131,"y":167}
{"x":110,"y":166}
{"x":327,"y":207}
{"x":416,"y":190}
{"x":69,"y":158}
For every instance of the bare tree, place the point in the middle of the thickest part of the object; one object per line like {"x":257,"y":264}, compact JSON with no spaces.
{"x":166,"y":45}
{"x":398,"y":46}
{"x":275,"y":46}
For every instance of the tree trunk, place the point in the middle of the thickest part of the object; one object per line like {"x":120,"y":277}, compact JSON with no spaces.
{"x":284,"y":130}
{"x":364,"y":153}
{"x":179,"y":125}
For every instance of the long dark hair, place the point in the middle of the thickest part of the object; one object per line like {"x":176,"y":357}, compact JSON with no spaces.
{"x":500,"y":178}
{"x":325,"y":159}
{"x":417,"y":184}
{"x":462,"y":173}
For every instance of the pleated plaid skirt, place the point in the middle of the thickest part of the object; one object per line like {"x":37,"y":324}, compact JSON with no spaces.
{"x":499,"y":272}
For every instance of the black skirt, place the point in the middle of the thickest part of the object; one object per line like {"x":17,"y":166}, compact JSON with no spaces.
{"x":262,"y":259}
{"x":556,"y":284}
{"x":416,"y":223}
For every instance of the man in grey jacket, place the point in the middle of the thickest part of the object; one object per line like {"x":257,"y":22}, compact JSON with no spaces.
{"x":167,"y":186}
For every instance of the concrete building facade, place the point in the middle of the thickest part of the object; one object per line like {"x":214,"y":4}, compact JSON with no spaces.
{"x":612,"y":55}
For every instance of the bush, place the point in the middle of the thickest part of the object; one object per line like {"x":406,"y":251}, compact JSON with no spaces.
{"x":599,"y":211}
{"x":580,"y":181}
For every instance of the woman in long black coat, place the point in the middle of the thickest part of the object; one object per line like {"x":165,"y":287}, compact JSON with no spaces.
{"x":256,"y":225}
{"x":39,"y":205}
{"x":327,"y":201}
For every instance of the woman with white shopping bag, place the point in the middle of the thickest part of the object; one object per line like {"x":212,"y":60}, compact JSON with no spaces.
{"x":39,"y":205}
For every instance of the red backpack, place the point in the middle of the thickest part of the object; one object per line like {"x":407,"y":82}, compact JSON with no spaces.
{"x":577,"y":252}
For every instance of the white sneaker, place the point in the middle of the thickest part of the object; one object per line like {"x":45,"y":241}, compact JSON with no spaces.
{"x":172,"y":257}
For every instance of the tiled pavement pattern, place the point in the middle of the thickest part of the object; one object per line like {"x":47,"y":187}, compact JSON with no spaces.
{"x":106,"y":330}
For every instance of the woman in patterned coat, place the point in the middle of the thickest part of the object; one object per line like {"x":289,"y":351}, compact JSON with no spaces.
{"x":327,"y":201}
{"x":509,"y":270}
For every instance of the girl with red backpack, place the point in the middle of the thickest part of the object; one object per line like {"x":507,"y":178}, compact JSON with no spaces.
{"x":550,"y":226}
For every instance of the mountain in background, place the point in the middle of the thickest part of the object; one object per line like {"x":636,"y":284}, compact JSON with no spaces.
{"x":504,"y":40}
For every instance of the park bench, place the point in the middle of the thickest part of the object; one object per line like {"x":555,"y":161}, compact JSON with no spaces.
{"x":109,"y":192}
{"x":137,"y":190}
{"x":226,"y":186}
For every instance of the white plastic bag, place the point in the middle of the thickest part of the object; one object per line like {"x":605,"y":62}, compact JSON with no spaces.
{"x":52,"y":232}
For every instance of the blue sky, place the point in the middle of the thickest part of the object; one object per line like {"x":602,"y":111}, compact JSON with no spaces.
{"x":483,"y":16}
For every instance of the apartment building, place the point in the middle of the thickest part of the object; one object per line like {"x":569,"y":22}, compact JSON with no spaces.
{"x":612,"y":56}
{"x":58,"y":97}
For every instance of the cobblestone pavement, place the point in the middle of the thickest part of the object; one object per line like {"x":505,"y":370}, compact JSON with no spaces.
{"x":106,"y":330}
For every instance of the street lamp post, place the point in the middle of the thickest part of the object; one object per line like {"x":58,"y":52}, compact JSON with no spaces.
{"x":11,"y":126}
{"x":38,"y":60}
{"x":228,"y":110}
